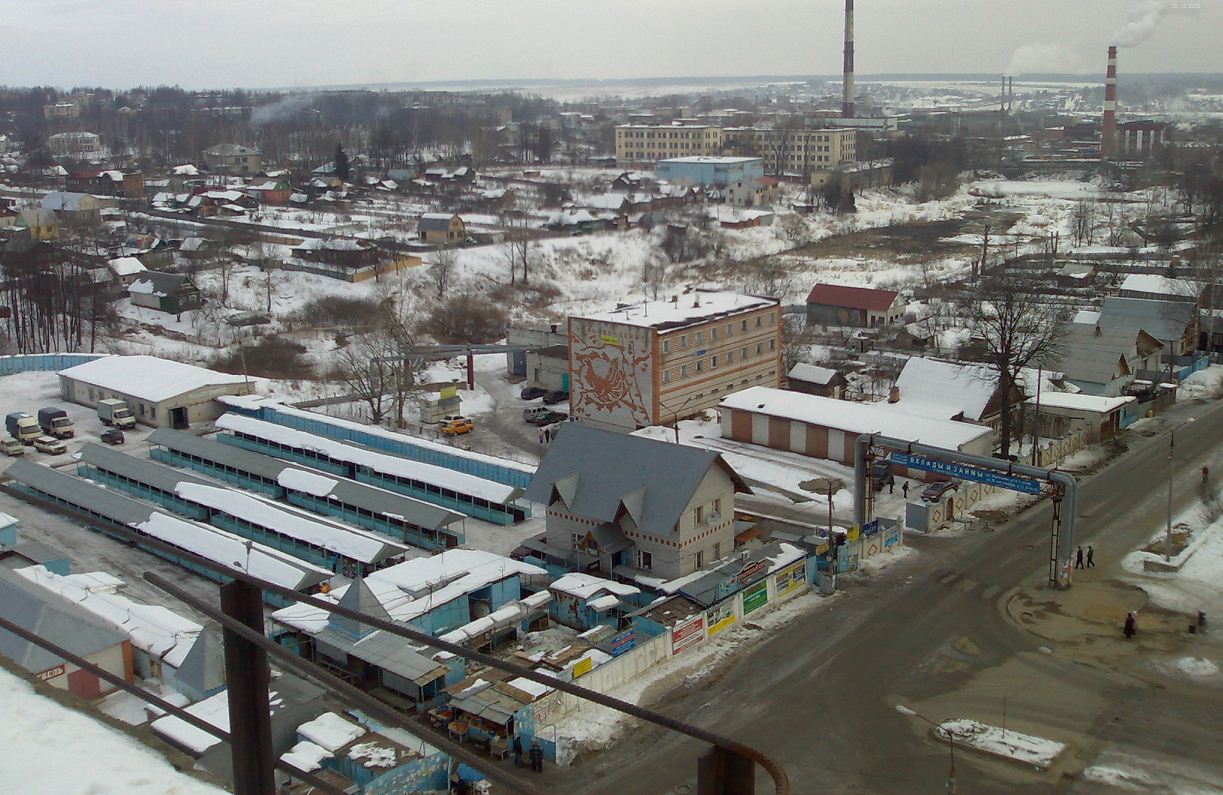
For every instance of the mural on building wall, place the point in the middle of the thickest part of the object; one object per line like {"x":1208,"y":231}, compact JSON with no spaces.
{"x":611,"y":379}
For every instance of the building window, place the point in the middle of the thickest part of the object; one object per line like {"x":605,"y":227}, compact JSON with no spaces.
{"x":713,"y":333}
{"x":700,"y":337}
{"x":575,"y":540}
{"x":772,"y":344}
{"x":759,"y":348}
{"x":717,"y":506}
{"x":759,"y":321}
{"x":743,"y":325}
{"x":645,"y":561}
{"x":729,"y":328}
{"x":666,"y":346}
{"x":683,"y":371}
{"x":698,"y":515}
{"x":730,"y":357}
{"x":666,"y":376}
{"x":717,"y":550}
{"x":713,"y":362}
{"x":683,"y":340}
{"x":700,"y":558}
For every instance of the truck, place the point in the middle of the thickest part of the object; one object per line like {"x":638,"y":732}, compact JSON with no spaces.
{"x":54,"y":422}
{"x":113,"y":411}
{"x":22,"y":427}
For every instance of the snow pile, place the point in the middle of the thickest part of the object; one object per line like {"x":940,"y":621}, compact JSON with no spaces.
{"x":1197,"y":667}
{"x":1205,"y":384}
{"x":56,"y":749}
{"x":373,"y":755}
{"x":1025,"y":748}
{"x":330,"y":731}
{"x":306,"y":756}
{"x":1133,"y":780}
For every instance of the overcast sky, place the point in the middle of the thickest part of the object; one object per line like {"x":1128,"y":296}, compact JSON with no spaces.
{"x":260,"y":43}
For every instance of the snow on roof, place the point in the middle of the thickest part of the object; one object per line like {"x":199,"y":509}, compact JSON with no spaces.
{"x":185,"y":170}
{"x":1158,"y":285}
{"x":192,"y":244}
{"x":152,"y":628}
{"x":584,"y":586}
{"x":331,"y":732}
{"x":530,"y":687}
{"x":691,"y":308}
{"x":125,"y":266}
{"x":223,"y":195}
{"x":603,"y":603}
{"x":811,"y":373}
{"x":213,"y":710}
{"x":308,"y":482}
{"x":306,"y":756}
{"x":361,"y":545}
{"x":414,"y":588}
{"x":721,"y":161}
{"x":1081,"y":402}
{"x":935,"y":388}
{"x":1088,"y":317}
{"x":855,"y":418}
{"x":148,"y":377}
{"x":379,"y":462}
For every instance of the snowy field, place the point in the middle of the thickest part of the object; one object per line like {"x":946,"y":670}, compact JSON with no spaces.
{"x":54,"y":750}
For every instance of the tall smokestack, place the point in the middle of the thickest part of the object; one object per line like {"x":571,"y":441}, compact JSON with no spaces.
{"x":1108,"y":133}
{"x":847,"y":100}
{"x":1002,"y":96}
{"x":1010,"y":93}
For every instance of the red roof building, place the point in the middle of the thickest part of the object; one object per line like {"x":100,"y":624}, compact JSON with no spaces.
{"x":864,"y":307}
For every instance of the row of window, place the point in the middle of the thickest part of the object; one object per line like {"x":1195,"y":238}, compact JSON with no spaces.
{"x":712,"y":361}
{"x":699,"y":336}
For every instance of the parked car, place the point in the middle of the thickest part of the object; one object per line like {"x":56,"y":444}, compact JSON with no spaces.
{"x":457,"y":427}
{"x":935,"y":491}
{"x":531,"y":412}
{"x":113,"y":436}
{"x":113,"y":411}
{"x":12,"y":447}
{"x":49,"y":445}
{"x":532,"y":392}
{"x":548,"y":417}
{"x":558,"y":396}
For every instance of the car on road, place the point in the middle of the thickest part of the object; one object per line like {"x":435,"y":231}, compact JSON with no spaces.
{"x":531,"y":412}
{"x":532,"y":392}
{"x":49,"y":445}
{"x":12,"y":447}
{"x":548,"y":417}
{"x":935,"y":491}
{"x":458,"y":426}
{"x":558,"y":396}
{"x":113,"y":436}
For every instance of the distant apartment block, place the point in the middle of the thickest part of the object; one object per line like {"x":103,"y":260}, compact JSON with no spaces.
{"x":80,"y":145}
{"x":650,"y":363}
{"x":794,"y":151}
{"x":232,"y":159}
{"x":646,"y":142}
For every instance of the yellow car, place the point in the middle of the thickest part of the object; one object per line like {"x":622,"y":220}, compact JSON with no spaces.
{"x":458,"y":426}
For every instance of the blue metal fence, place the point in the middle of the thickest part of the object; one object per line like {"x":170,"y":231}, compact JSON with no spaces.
{"x":44,"y":362}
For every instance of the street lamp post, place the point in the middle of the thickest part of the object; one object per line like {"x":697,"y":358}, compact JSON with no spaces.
{"x":951,"y":779}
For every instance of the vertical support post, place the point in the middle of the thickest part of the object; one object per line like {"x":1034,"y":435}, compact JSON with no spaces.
{"x":246,"y":679}
{"x":1055,"y":543}
{"x":860,"y":484}
{"x":471,"y":370}
{"x":723,"y":772}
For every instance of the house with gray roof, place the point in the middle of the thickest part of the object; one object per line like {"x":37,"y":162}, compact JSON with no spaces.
{"x":1173,"y":322}
{"x":167,"y":292}
{"x":633,"y":507}
{"x":65,"y":624}
{"x":1103,"y":360}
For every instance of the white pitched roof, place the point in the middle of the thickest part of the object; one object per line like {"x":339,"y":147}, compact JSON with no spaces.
{"x":147,"y":377}
{"x":941,"y":389}
{"x":1158,"y":285}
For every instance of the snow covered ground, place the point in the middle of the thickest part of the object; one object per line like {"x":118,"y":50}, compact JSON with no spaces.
{"x":54,"y":750}
{"x":995,"y":741}
{"x":1199,"y":583}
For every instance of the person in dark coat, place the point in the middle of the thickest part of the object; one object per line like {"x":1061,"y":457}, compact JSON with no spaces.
{"x":516,"y":746}
{"x":1091,"y":558}
{"x":905,"y":489}
{"x":537,"y":757}
{"x":1131,"y":624}
{"x":1078,"y":559}
{"x":892,"y":486}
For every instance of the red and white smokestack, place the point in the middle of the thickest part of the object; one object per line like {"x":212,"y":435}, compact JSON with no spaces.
{"x":1108,"y":134}
{"x":847,"y":98}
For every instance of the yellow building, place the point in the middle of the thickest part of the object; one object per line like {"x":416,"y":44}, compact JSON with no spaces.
{"x":644,"y":142}
{"x":794,"y":151}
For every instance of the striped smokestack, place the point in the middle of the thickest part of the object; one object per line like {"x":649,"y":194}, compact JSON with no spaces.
{"x":847,"y":99}
{"x":1108,"y":133}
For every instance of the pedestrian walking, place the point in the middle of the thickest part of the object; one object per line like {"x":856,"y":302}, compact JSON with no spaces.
{"x":1091,"y":558}
{"x":1078,"y":559}
{"x":537,"y":757}
{"x":541,"y":435}
{"x":1131,"y":624}
{"x":905,"y":489}
{"x":516,"y":745}
{"x":892,"y":486}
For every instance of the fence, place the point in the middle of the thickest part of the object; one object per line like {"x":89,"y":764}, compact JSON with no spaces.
{"x":44,"y":362}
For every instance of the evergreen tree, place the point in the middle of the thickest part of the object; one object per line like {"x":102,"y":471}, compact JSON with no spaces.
{"x":342,"y":169}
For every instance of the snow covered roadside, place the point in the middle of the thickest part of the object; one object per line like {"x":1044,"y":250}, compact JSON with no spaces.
{"x":1205,"y":384}
{"x":1008,"y":744}
{"x":54,"y":749}
{"x":1198,"y":585}
{"x":595,"y":727}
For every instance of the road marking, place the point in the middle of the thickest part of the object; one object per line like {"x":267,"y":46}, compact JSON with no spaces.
{"x":991,"y":592}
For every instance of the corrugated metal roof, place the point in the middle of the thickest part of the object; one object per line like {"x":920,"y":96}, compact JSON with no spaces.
{"x":388,"y":652}
{"x":139,"y":469}
{"x":851,"y":297}
{"x":45,"y":614}
{"x":104,"y":502}
{"x":349,"y":492}
{"x":1163,"y":320}
{"x":1094,"y":357}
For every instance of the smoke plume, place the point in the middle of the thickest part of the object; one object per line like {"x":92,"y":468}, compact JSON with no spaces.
{"x":1044,"y":58}
{"x":1141,"y":22}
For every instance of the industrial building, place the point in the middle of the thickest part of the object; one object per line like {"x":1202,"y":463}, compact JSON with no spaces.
{"x":411,"y":521}
{"x":646,"y":142}
{"x":159,"y":392}
{"x":708,"y":171}
{"x":801,"y":152}
{"x":658,"y":361}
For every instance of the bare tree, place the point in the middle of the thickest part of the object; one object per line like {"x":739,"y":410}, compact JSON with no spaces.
{"x":442,"y":270}
{"x":518,"y":245}
{"x":1020,"y":328}
{"x":366,"y":365}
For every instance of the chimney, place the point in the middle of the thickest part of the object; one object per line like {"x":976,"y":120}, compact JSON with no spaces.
{"x":847,"y":99}
{"x":1002,"y":96}
{"x":1108,"y":133}
{"x":1010,"y":94}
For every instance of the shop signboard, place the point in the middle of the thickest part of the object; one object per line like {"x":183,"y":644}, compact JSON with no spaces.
{"x":624,"y":642}
{"x":583,"y":666}
{"x":791,"y":577}
{"x":721,"y":617}
{"x":756,"y":597}
{"x":687,"y":634}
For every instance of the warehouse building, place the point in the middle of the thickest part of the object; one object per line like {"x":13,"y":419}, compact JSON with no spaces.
{"x":160,"y":392}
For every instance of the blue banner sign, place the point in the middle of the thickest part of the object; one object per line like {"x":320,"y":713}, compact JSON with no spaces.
{"x":870,"y":528}
{"x":979,"y":474}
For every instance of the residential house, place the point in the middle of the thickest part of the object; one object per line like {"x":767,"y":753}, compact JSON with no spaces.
{"x":954,"y":391}
{"x":125,"y":270}
{"x":341,"y":252}
{"x":232,"y":159}
{"x":1103,"y":360}
{"x":172,"y":293}
{"x":442,"y":229}
{"x":43,"y":224}
{"x":1158,"y":288}
{"x":74,"y":209}
{"x":1059,"y":413}
{"x":752,"y":192}
{"x":811,"y":379}
{"x":1173,"y":322}
{"x":863,"y":307}
{"x":668,"y":513}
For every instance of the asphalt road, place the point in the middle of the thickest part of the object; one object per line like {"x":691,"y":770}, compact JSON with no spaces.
{"x":935,"y":634}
